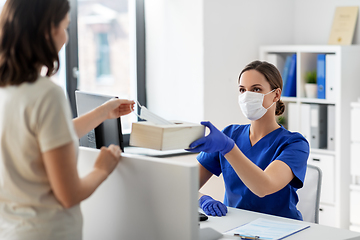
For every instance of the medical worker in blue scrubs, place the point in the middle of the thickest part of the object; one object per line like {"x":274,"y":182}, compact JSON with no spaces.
{"x":262,"y":163}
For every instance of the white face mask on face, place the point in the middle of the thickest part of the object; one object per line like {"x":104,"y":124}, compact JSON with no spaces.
{"x":251,"y":104}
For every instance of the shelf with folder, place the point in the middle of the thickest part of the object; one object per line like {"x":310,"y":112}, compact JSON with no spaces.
{"x":324,"y":121}
{"x":289,"y":99}
{"x":316,"y":100}
{"x":314,"y":121}
{"x":307,"y":58}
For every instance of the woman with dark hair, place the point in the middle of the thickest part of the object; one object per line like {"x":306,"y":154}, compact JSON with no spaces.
{"x":262,"y":163}
{"x":40,"y":189}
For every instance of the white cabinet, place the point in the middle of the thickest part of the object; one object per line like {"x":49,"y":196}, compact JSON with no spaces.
{"x":326,"y":164}
{"x":342,"y":86}
{"x":326,"y":215}
{"x":355,"y":207}
{"x":355,"y":167}
{"x":355,"y":158}
{"x":355,"y":119}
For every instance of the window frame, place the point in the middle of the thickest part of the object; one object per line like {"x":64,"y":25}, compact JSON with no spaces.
{"x":72,"y":58}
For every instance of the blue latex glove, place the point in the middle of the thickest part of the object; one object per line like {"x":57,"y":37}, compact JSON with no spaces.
{"x":216,"y":141}
{"x":212,"y":207}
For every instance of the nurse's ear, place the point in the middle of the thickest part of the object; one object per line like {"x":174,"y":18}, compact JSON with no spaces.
{"x":277,"y":94}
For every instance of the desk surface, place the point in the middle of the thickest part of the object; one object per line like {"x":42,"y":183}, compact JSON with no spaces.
{"x":236,"y":217}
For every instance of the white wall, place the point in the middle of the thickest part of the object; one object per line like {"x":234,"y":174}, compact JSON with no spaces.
{"x":233,"y":32}
{"x":174,"y":49}
{"x":197,"y":48}
{"x":313,"y":20}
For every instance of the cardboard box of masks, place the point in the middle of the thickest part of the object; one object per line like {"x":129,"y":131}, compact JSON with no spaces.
{"x":165,"y":137}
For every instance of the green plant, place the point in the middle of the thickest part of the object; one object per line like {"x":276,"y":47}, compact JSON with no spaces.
{"x":310,"y":77}
{"x":281,"y":120}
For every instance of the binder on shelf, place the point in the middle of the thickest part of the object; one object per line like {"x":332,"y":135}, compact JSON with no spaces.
{"x":331,"y":127}
{"x":305,"y":121}
{"x":290,"y":86}
{"x":318,"y":126}
{"x":293,"y":117}
{"x":330,"y":76}
{"x":285,"y":72}
{"x":320,"y":76}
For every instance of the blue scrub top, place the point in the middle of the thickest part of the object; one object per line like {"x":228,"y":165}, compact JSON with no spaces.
{"x":281,"y":144}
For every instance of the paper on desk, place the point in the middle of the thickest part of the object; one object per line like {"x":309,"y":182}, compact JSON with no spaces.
{"x":268,"y":229}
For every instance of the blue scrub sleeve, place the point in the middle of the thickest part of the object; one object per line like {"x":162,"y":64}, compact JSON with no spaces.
{"x":295,"y":155}
{"x":210,"y":161}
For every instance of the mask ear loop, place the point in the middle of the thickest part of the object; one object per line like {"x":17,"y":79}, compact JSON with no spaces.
{"x":273,"y":102}
{"x":135,"y":111}
{"x":270,"y":106}
{"x":270,"y":92}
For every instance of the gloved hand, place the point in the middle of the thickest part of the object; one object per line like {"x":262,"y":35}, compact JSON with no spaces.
{"x":212,"y":207}
{"x":216,"y":141}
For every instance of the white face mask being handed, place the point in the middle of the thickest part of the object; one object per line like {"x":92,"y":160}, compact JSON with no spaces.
{"x":145,"y":114}
{"x":251,"y":104}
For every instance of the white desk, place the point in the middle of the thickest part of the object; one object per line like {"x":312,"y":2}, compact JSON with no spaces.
{"x":236,"y":217}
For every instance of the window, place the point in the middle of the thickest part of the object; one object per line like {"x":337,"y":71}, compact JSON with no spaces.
{"x":103,"y":71}
{"x":60,"y":77}
{"x":106,"y":51}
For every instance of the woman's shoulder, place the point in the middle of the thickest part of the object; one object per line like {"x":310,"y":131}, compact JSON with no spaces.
{"x":48,"y":83}
{"x":40,"y":87}
{"x":45,"y":88}
{"x":32,"y":93}
{"x":290,"y":137}
{"x":41,"y":94}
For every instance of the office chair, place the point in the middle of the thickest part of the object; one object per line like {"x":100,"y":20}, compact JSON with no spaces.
{"x":309,"y":194}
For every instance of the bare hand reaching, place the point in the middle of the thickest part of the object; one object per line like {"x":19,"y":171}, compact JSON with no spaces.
{"x":118,"y":107}
{"x":108,"y":159}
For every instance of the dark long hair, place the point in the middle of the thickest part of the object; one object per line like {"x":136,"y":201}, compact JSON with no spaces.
{"x":272,"y":75}
{"x":26,"y":43}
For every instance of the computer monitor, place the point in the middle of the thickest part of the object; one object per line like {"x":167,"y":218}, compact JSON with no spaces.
{"x":143,"y":198}
{"x":108,"y":132}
